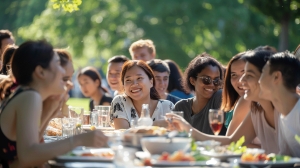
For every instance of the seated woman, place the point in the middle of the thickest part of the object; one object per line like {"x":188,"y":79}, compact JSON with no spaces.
{"x":90,"y":85}
{"x":175,"y":87}
{"x":37,"y":70}
{"x":138,"y":82}
{"x":278,"y":82}
{"x":233,"y":102}
{"x":261,"y":122}
{"x":203,"y":75}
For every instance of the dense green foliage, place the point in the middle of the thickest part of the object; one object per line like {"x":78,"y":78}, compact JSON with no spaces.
{"x":180,"y":29}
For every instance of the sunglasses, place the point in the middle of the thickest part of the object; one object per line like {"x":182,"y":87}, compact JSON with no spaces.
{"x":206,"y":80}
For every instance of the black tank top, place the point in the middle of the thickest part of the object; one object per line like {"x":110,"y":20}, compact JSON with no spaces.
{"x":8,"y":148}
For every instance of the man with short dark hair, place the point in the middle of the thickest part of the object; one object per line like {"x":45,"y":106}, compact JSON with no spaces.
{"x":161,"y":72}
{"x":278,"y":81}
{"x":6,"y":38}
{"x":113,"y":75}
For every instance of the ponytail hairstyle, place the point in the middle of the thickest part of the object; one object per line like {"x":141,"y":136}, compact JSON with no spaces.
{"x":24,"y":61}
{"x":92,"y":73}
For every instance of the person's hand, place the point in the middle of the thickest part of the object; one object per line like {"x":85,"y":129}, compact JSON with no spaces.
{"x":177,"y":122}
{"x":93,"y":139}
{"x":161,"y":123}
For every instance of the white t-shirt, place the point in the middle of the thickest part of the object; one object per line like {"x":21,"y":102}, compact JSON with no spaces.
{"x":122,"y":107}
{"x":289,"y":126}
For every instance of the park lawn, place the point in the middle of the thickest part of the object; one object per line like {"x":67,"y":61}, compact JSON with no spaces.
{"x":79,"y":102}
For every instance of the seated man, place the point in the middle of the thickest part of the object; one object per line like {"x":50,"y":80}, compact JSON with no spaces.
{"x":142,"y":50}
{"x":114,"y":69}
{"x":278,"y":82}
{"x":161,"y":73}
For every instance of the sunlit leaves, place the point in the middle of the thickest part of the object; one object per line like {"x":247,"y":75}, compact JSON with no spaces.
{"x":66,"y":5}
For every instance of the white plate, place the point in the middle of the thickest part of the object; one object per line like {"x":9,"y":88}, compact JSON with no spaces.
{"x":78,"y":152}
{"x":222,"y":156}
{"x":289,"y":163}
{"x":211,"y":162}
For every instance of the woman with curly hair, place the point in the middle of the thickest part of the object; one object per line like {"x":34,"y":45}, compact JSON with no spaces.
{"x":203,"y":76}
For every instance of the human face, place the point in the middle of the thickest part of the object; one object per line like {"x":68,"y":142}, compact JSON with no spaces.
{"x":137,"y":84}
{"x":5,"y":43}
{"x":266,"y":83}
{"x":142,"y":54}
{"x":113,"y":75}
{"x":54,"y":76}
{"x":250,"y":82}
{"x":237,"y":70}
{"x":161,"y":82}
{"x":88,"y":87}
{"x":201,"y":89}
{"x":68,"y":75}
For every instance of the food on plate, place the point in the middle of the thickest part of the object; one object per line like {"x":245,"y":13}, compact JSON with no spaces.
{"x":108,"y":154}
{"x":178,"y":156}
{"x":51,"y":131}
{"x":250,"y":157}
{"x":152,"y":130}
{"x":236,"y":147}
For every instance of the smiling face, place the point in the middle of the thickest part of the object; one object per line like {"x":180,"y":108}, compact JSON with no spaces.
{"x":54,"y":76}
{"x":142,"y":54}
{"x":88,"y":86}
{"x":250,"y":82}
{"x":237,"y":70}
{"x":161,"y":82}
{"x":201,"y":89}
{"x":137,"y":84}
{"x":266,"y":83}
{"x":113,"y":75}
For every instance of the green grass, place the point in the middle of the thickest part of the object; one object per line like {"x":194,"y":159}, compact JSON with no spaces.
{"x":79,"y":102}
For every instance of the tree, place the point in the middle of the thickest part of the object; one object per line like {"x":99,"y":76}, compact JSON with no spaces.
{"x":283,"y":12}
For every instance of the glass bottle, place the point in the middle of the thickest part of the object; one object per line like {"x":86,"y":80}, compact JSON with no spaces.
{"x":145,"y":119}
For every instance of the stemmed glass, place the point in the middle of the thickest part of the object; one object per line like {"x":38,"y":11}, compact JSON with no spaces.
{"x":216,"y":120}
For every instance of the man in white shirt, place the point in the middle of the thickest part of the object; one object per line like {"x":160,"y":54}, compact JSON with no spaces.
{"x":278,"y":82}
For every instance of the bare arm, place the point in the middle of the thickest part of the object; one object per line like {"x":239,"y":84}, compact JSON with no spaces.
{"x":28,"y":114}
{"x":241,"y":110}
{"x":120,"y":123}
{"x":181,"y":124}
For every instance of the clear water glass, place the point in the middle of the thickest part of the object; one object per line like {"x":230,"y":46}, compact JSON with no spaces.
{"x":124,"y":157}
{"x":94,"y":118}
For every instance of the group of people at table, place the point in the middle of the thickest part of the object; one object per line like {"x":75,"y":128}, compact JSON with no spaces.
{"x":257,"y":90}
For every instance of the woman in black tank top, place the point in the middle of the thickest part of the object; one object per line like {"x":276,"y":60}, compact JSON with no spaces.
{"x":37,"y":70}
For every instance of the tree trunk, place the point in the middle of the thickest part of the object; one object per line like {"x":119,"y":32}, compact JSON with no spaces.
{"x":284,"y":34}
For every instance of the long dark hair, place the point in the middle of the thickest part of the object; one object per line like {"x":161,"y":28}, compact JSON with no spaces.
{"x":92,"y":73}
{"x":258,"y":59}
{"x":129,"y":64}
{"x":175,"y":79}
{"x":229,"y":94}
{"x":25,"y":59}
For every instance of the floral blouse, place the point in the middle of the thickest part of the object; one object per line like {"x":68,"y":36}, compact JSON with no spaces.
{"x":122,"y":107}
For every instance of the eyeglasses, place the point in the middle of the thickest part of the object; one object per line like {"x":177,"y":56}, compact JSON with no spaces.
{"x":206,"y":80}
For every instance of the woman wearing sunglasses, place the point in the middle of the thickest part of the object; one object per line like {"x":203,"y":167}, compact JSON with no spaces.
{"x":261,"y":122}
{"x":203,"y":76}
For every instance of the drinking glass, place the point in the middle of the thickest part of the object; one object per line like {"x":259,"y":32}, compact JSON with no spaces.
{"x":68,"y":127}
{"x":124,"y":157}
{"x":103,"y":112}
{"x":94,"y":118}
{"x":216,"y":120}
{"x":180,"y":113}
{"x":86,"y":118}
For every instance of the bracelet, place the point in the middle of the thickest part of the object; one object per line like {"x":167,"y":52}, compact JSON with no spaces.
{"x":71,"y":142}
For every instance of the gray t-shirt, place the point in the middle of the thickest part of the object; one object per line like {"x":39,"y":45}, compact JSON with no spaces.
{"x":200,"y":120}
